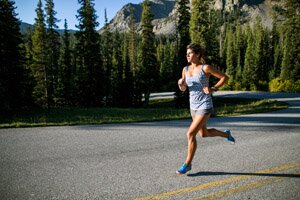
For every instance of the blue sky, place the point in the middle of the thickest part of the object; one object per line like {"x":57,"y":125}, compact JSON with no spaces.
{"x":67,"y":9}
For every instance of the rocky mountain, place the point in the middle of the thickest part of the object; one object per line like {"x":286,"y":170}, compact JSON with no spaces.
{"x":251,"y":9}
{"x":165,"y":12}
{"x":162,"y":11}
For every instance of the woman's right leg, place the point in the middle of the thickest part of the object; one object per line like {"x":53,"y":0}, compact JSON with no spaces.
{"x":212,"y":132}
{"x":198,"y":123}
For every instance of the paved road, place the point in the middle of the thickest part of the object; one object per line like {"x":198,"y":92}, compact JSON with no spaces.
{"x":139,"y":160}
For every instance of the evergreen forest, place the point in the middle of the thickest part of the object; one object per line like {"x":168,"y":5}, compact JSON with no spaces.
{"x":45,"y":69}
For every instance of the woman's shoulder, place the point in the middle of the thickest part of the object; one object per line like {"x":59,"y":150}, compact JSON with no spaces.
{"x":206,"y":67}
{"x":185,"y":68}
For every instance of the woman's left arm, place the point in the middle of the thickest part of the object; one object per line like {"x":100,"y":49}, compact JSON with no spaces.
{"x":223,"y":78}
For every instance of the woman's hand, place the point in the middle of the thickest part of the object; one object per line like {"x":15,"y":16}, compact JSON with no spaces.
{"x":209,"y":90}
{"x":182,"y":84}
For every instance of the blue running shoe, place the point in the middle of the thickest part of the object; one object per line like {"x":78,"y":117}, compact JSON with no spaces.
{"x":229,"y":138}
{"x":184,"y":169}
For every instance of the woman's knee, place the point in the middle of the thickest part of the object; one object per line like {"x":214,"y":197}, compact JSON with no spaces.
{"x":190,"y":135}
{"x":203,"y":133}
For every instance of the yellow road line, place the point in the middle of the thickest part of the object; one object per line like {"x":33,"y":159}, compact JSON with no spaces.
{"x":228,"y":192}
{"x":220,"y":182}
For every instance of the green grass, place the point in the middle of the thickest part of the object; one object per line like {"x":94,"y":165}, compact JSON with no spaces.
{"x":163,"y":109}
{"x":238,"y":106}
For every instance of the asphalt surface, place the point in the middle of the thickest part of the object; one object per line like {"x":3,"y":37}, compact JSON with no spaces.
{"x":139,"y":160}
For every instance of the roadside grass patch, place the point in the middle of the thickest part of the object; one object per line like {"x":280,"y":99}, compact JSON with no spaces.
{"x":239,"y":106}
{"x":157,"y":110}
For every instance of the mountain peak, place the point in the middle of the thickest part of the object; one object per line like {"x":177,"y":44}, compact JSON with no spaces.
{"x":165,"y":12}
{"x":161,"y":9}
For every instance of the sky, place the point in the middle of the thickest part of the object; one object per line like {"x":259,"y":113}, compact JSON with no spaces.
{"x":67,"y":9}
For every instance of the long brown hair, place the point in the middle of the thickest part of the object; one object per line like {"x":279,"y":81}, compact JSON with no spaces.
{"x":198,"y":50}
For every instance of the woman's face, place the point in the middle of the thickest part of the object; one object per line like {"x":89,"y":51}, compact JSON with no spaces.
{"x":191,"y":56}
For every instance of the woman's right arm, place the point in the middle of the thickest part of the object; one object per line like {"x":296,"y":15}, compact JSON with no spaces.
{"x":181,"y":82}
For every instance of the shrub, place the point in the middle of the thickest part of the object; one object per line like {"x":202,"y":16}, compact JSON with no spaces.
{"x":278,"y":85}
{"x":292,"y":86}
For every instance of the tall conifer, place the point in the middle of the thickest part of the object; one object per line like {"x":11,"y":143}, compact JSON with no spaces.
{"x":184,"y":39}
{"x":65,"y":69}
{"x":183,"y":29}
{"x":199,"y":22}
{"x":88,"y":57}
{"x":12,"y":70}
{"x":230,"y":54}
{"x":291,"y":45}
{"x":39,"y":66}
{"x":133,"y":58}
{"x":116,"y":79}
{"x":167,"y":67}
{"x":204,"y":29}
{"x":259,"y":55}
{"x":239,"y":52}
{"x":273,"y":43}
{"x":149,"y":68}
{"x":276,"y":52}
{"x":52,"y":51}
{"x":107,"y":56}
{"x":127,"y":91}
{"x":248,"y":73}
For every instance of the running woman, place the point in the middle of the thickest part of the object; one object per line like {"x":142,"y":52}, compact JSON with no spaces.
{"x":196,"y":77}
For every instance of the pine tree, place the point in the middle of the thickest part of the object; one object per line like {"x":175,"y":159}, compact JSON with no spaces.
{"x":53,"y":51}
{"x":160,"y":54}
{"x":240,"y":52}
{"x":248,"y":73}
{"x":184,"y":39}
{"x":107,"y":52}
{"x":39,"y":55}
{"x":116,"y":79}
{"x":230,"y":57}
{"x":212,"y":44}
{"x":148,"y":72}
{"x":183,"y":29}
{"x":291,"y":45}
{"x":199,"y":22}
{"x":30,"y":81}
{"x":223,"y":45}
{"x":230,"y":54}
{"x":167,"y":66}
{"x":12,"y":71}
{"x":65,"y":87}
{"x":133,"y":58}
{"x":127,"y":90}
{"x":89,"y":72}
{"x":274,"y":52}
{"x":259,"y":56}
{"x":204,"y":29}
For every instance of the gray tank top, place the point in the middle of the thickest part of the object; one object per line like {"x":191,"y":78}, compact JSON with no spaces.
{"x":198,"y":99}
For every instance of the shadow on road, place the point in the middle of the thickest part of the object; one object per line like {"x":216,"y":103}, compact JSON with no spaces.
{"x":207,"y":173}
